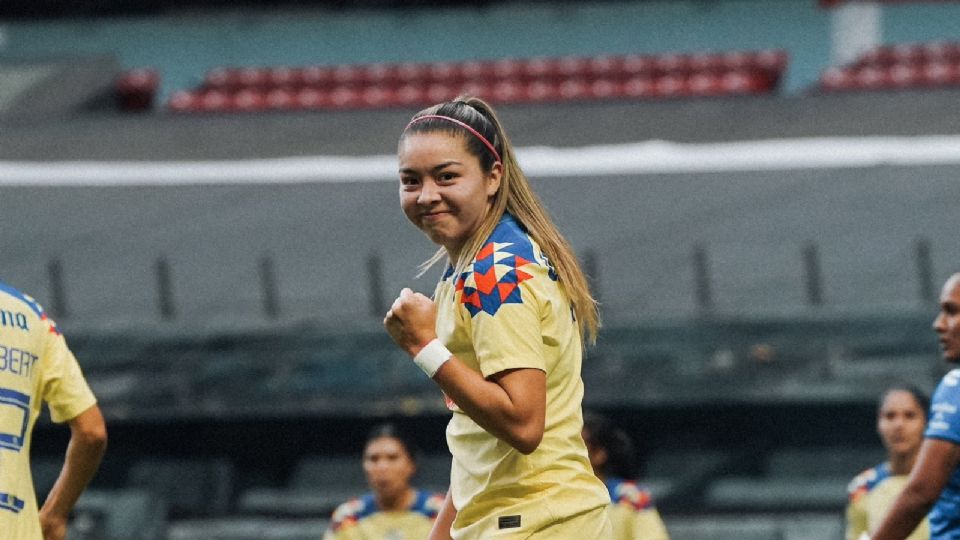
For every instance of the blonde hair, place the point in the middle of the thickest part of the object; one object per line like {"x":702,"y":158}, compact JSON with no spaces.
{"x":515,"y":196}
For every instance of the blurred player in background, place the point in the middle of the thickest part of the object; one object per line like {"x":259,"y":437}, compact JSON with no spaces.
{"x":36,"y":366}
{"x":901,"y":420}
{"x":393,"y":509}
{"x":504,"y":338}
{"x":613,"y":458}
{"x":935,"y":479}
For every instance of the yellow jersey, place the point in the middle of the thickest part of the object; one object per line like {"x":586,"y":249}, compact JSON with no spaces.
{"x":35,"y":367}
{"x":633,"y":514}
{"x":507,"y":310}
{"x":871,"y":494}
{"x":360,"y":519}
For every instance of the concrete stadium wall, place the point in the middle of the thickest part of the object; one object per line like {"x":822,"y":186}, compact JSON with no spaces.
{"x":640,"y":229}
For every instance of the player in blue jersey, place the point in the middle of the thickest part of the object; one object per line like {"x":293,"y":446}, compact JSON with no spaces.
{"x":613,"y":458}
{"x":901,"y":421}
{"x":934,"y":484}
{"x":392,"y":509}
{"x":36,"y":366}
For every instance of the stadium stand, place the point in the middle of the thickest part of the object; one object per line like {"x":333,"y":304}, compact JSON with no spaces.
{"x":504,"y":81}
{"x":709,"y":387}
{"x":901,"y":66}
{"x":121,"y":514}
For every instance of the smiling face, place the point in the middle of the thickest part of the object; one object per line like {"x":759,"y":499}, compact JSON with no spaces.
{"x":947,"y":323}
{"x":443,"y":190}
{"x":388,"y":466}
{"x":900,"y":423}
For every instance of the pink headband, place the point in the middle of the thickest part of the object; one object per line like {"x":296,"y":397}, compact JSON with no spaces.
{"x":464,"y":125}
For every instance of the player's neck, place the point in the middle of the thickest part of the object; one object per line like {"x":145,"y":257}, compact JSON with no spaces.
{"x":901,"y":464}
{"x":396,"y":502}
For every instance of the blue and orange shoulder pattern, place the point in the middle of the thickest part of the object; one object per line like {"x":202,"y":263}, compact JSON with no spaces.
{"x":866,"y":481}
{"x":355,"y":510}
{"x":501,"y":265}
{"x":34,"y":306}
{"x":630,"y":494}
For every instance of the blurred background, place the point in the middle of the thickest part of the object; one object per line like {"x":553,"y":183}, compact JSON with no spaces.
{"x":203,"y":194}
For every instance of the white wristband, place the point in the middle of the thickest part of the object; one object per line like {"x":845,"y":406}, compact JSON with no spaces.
{"x":432,"y":356}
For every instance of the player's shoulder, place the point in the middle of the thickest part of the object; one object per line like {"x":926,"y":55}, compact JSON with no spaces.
{"x":20,"y":310}
{"x":864,"y":482}
{"x":352,"y":511}
{"x":428,"y":504}
{"x":949,"y":384}
{"x":631,"y":494}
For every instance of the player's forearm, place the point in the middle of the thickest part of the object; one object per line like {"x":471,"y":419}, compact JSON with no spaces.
{"x":909,"y":509}
{"x":84,"y":453}
{"x":444,"y":521}
{"x":490,"y":406}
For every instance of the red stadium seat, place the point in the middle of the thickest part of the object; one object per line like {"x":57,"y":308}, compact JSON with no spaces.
{"x":316,"y":76}
{"x":215,"y":100}
{"x":705,"y":84}
{"x":542,"y":91}
{"x":310,"y":99}
{"x":640,"y":87}
{"x":280,"y":99}
{"x":638,"y":65}
{"x":249,"y":100}
{"x":411,"y":94}
{"x":184,"y":101}
{"x":671,"y":86}
{"x":136,"y":89}
{"x":440,"y":92}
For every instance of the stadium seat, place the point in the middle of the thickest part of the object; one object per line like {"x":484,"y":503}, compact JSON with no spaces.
{"x":136,"y":89}
{"x":247,"y":528}
{"x":124,"y":514}
{"x":189,"y":486}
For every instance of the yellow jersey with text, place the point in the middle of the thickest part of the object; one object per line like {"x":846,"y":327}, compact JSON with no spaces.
{"x":361,"y":519}
{"x":35,"y":367}
{"x":508,"y":310}
{"x":871,"y":494}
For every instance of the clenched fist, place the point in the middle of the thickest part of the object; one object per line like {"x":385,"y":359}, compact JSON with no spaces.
{"x":411,"y":321}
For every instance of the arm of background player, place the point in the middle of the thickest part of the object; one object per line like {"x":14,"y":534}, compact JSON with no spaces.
{"x":441,"y":525}
{"x":935,"y":464}
{"x":88,"y":441}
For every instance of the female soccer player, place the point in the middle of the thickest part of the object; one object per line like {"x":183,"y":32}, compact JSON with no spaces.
{"x":502,"y":337}
{"x":934,"y":482}
{"x":393,"y":509}
{"x":612,"y":456}
{"x":901,"y":419}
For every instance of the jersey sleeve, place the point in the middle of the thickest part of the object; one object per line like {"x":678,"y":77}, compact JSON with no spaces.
{"x":648,"y":525}
{"x":65,"y":390}
{"x":509,"y":335}
{"x":856,"y":514}
{"x":944,"y":421}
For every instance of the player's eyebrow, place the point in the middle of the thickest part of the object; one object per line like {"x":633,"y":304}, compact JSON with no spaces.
{"x":433,"y":169}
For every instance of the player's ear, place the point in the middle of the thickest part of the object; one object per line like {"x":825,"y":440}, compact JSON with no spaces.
{"x":493,"y":179}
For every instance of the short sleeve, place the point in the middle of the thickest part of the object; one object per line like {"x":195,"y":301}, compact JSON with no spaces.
{"x":944,"y":421}
{"x":510,"y":336}
{"x":65,"y":390}
{"x":856,"y":518}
